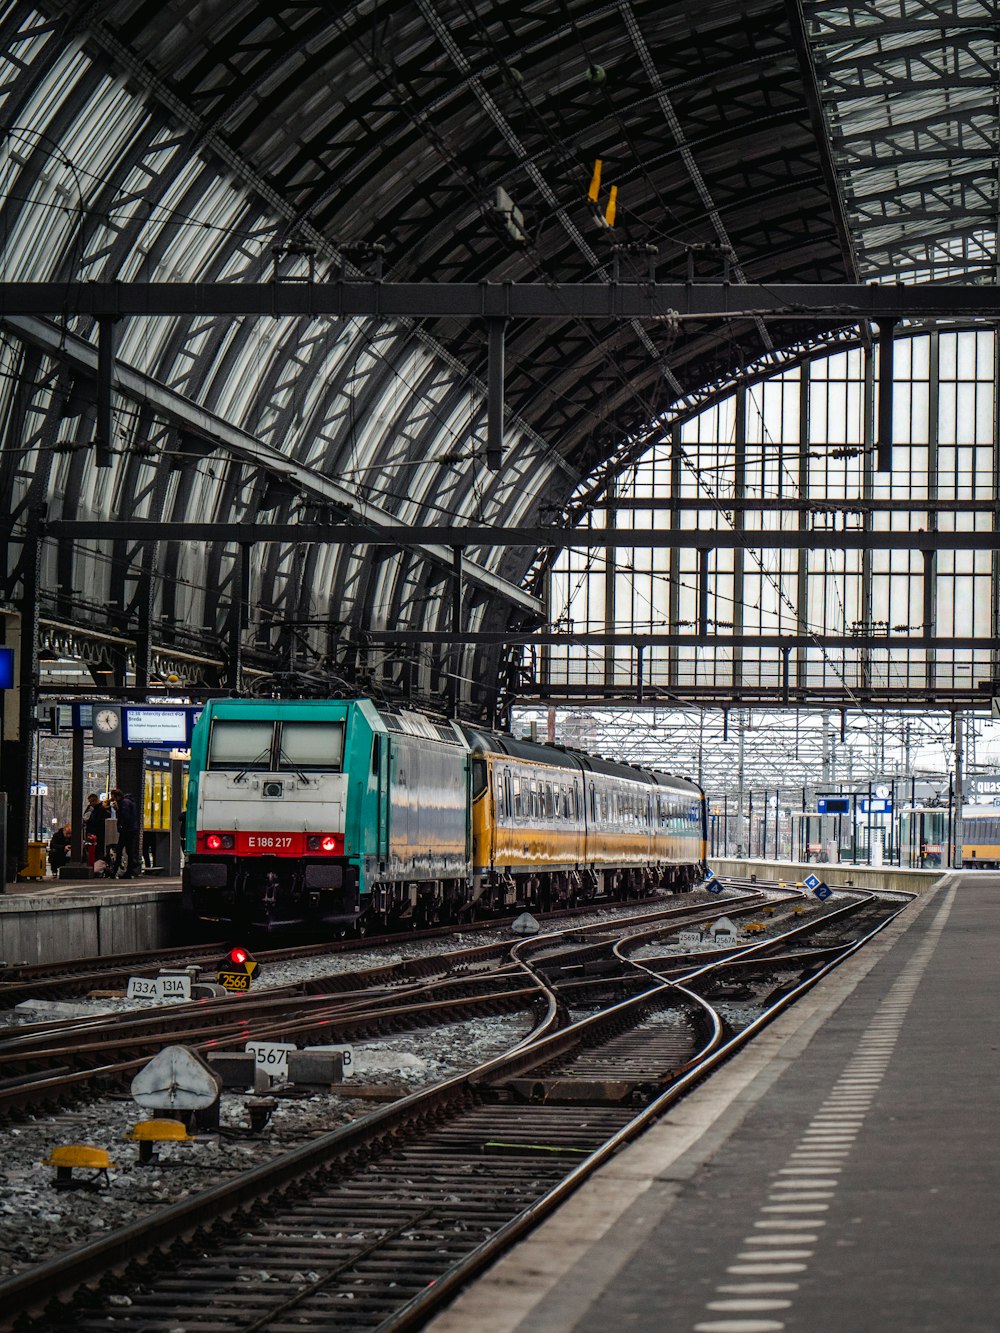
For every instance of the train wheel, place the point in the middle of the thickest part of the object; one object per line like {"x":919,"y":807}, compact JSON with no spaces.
{"x":361,"y":926}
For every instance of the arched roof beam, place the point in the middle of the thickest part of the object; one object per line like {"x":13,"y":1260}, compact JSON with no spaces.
{"x":191,"y":416}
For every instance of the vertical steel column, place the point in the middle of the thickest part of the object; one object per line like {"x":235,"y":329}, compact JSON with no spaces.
{"x":104,"y":437}
{"x":674,"y":558}
{"x":802,"y":575}
{"x":494,"y":393}
{"x":175,"y":842}
{"x":933,"y":441}
{"x":930,"y":562}
{"x":739,"y":778}
{"x":239,"y":602}
{"x":703,"y":593}
{"x":995,"y":573}
{"x":865,"y":656}
{"x":76,"y":797}
{"x":19,"y":752}
{"x":886,"y":395}
{"x":777,"y":824}
{"x":739,"y":523}
{"x":454,"y":656}
{"x":959,"y":725}
{"x":144,"y":633}
{"x":610,"y":582}
{"x":767,"y":830}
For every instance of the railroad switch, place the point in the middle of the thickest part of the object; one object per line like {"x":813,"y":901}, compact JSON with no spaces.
{"x":148,"y":1133}
{"x":79,"y":1155}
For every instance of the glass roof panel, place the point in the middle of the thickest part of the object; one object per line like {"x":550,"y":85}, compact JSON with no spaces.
{"x":910,"y":98}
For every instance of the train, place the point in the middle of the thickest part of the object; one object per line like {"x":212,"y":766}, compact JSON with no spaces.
{"x":981,"y":837}
{"x":346,"y":815}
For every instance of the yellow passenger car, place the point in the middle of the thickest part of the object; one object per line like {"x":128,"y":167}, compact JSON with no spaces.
{"x":552,"y":825}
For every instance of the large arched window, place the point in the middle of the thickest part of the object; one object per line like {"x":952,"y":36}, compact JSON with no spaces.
{"x":797,"y":454}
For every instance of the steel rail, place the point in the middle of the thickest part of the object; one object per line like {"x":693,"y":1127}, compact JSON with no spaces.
{"x":449,"y":1284}
{"x":33,"y":1291}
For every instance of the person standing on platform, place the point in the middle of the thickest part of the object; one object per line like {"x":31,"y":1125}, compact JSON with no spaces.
{"x":95,"y":816}
{"x":128,"y":833}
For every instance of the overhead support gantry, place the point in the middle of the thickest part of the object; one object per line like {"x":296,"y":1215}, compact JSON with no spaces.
{"x":829,"y":303}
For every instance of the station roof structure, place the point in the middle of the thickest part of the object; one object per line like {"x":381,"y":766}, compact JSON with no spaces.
{"x":769,"y":144}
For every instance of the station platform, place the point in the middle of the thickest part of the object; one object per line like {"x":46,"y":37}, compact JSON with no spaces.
{"x":46,"y":921}
{"x":840,"y":1175}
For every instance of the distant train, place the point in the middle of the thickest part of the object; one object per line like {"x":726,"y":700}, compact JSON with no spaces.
{"x":981,"y":837}
{"x":927,"y":836}
{"x":346,"y":814}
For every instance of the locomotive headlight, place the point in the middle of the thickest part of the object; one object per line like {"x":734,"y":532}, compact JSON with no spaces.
{"x":220,"y":842}
{"x":213,"y":842}
{"x":327,"y":843}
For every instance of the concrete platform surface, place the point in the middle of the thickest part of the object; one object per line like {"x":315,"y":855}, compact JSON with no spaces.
{"x":47,"y":921}
{"x":839,"y":1176}
{"x":47,"y":889}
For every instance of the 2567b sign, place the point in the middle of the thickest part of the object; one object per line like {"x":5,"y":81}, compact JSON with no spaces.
{"x":236,"y":970}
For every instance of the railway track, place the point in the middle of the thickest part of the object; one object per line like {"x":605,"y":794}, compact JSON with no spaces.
{"x":78,"y":976}
{"x":375,"y":1224}
{"x":58,"y":1063}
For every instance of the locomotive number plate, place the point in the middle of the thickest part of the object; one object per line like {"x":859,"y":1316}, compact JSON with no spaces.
{"x":270,"y":844}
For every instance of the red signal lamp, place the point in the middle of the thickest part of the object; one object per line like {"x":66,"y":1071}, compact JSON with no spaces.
{"x":237,"y":968}
{"x":329,"y":844}
{"x":220,"y":842}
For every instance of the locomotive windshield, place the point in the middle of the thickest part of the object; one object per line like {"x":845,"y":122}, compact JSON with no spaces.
{"x":312,"y":746}
{"x":241,"y":745}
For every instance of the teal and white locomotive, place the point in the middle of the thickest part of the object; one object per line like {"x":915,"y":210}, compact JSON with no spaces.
{"x":344,"y":814}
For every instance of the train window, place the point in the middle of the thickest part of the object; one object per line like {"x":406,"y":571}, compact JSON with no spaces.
{"x":550,"y":805}
{"x":312,"y":745}
{"x":478,"y":776}
{"x":241,"y":745}
{"x":518,"y":799}
{"x":375,"y":756}
{"x":500,"y":809}
{"x":566,"y":812}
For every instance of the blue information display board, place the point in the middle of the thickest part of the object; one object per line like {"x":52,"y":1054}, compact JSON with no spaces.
{"x":834,"y":805}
